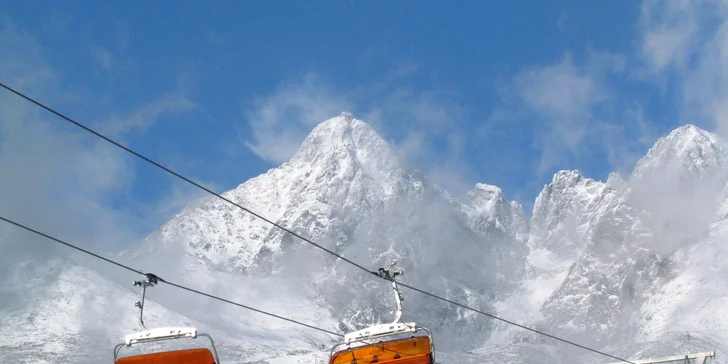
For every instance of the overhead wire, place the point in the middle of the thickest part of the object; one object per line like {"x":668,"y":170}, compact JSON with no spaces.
{"x":160,"y":279}
{"x":168,"y":170}
{"x":176,"y":285}
{"x":72,"y":246}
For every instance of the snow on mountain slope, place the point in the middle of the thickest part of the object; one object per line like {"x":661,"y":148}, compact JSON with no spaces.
{"x":343,"y":172}
{"x":617,"y":263}
{"x":344,"y":189}
{"x":687,"y":152}
{"x":689,"y":230}
{"x":677,"y":183}
{"x":489,"y":213}
{"x":646,"y":251}
{"x":695,"y":299}
{"x":347,"y":190}
{"x":504,"y":225}
{"x":607,"y":281}
{"x":607,"y":264}
{"x":563,"y":217}
{"x":67,"y":313}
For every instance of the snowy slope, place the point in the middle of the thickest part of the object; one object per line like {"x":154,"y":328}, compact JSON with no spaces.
{"x":343,"y":172}
{"x":676,"y":185}
{"x":563,"y":220}
{"x":631,"y":267}
{"x":695,"y":299}
{"x":68,"y":313}
{"x":345,"y":189}
{"x":610,"y":264}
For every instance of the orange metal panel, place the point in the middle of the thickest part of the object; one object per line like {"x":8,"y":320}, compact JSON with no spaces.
{"x":419,"y":359}
{"x":189,"y":356}
{"x":415,"y":350}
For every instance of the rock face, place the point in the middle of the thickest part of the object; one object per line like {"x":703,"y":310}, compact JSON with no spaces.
{"x":606,"y":264}
{"x":613,"y":264}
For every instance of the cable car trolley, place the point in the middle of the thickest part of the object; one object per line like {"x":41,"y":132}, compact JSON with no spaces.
{"x":188,"y":356}
{"x":393,"y":345}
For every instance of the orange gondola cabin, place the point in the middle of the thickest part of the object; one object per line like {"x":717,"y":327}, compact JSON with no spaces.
{"x":413,"y":350}
{"x":188,"y":356}
{"x":385,"y":344}
{"x":185,"y":356}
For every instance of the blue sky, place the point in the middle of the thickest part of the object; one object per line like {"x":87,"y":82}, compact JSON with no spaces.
{"x":505,"y":93}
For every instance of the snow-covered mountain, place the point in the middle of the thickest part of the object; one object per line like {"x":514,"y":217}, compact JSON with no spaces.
{"x":612,"y":264}
{"x":608,"y":264}
{"x":346,"y":189}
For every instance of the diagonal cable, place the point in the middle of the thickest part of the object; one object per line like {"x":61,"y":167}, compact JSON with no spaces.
{"x":166,"y":281}
{"x":278,"y":225}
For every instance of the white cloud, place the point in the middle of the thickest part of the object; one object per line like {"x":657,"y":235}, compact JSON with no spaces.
{"x":691,"y":39}
{"x":103,"y":57}
{"x":59,"y":181}
{"x":429,"y":130}
{"x":22,"y":59}
{"x":413,"y":121}
{"x":112,"y":58}
{"x":143,"y":118}
{"x":55,"y":177}
{"x":574,"y":111}
{"x":626,"y":141}
{"x":281,"y":121}
{"x":668,"y":33}
{"x":563,"y":95}
{"x":422,"y":125}
{"x":564,"y":100}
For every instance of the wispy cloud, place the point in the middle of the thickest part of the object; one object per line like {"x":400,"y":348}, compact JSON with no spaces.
{"x":690,"y":38}
{"x":424,"y":126}
{"x":280,"y":121}
{"x":56,"y":178}
{"x":22,"y":59}
{"x":564,"y":95}
{"x":59,"y":181}
{"x":668,"y":33}
{"x":143,"y":118}
{"x":427,"y":128}
{"x":103,"y":57}
{"x":626,"y":142}
{"x":563,"y":103}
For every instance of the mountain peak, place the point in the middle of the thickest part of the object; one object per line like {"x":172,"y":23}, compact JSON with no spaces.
{"x":347,"y":116}
{"x":688,"y":136}
{"x":487,"y":197}
{"x":489,"y":208}
{"x":686,"y":149}
{"x":566,"y":178}
{"x":343,"y":132}
{"x":486,"y":188}
{"x":690,"y":130}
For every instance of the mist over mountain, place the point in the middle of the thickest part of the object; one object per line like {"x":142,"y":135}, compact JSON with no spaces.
{"x":627,"y":266}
